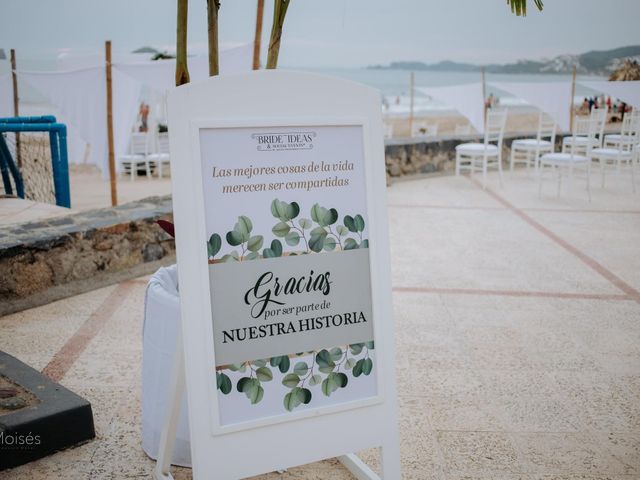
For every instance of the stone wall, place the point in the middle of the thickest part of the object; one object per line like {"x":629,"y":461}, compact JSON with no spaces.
{"x":47,"y":260}
{"x":410,"y":156}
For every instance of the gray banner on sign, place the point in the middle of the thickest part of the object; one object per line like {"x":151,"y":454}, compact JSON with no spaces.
{"x":278,"y":306}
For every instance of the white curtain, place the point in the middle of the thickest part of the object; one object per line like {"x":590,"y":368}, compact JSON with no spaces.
{"x":80,"y":96}
{"x":628,"y":92}
{"x":6,"y":96}
{"x":553,"y":98}
{"x":466,"y":99}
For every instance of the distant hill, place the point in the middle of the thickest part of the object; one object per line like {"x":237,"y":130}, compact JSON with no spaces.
{"x":590,"y":63}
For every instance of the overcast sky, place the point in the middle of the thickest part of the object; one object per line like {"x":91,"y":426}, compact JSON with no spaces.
{"x":325,"y":33}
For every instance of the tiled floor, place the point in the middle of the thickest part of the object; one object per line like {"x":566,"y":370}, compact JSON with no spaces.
{"x":517,"y":332}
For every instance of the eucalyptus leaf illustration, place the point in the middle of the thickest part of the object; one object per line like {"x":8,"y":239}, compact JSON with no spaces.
{"x":276,"y":246}
{"x":292,"y":238}
{"x":255,"y":243}
{"x":291,"y":380}
{"x":213,"y":245}
{"x":350,"y":244}
{"x":280,"y":229}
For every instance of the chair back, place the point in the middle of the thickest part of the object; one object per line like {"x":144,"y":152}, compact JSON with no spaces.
{"x":630,"y":134}
{"x":593,"y":129}
{"x":139,"y":143}
{"x":494,"y":127}
{"x":546,"y":129}
{"x":424,"y":129}
{"x":580,"y":126}
{"x":599,"y":117}
{"x":162,"y":142}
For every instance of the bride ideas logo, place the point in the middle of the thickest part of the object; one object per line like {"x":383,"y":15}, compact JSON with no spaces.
{"x":270,"y":142}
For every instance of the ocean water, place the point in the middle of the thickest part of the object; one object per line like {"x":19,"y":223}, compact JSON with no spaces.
{"x":394,"y":86}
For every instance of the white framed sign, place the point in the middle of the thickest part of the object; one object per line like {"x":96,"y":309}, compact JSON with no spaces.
{"x":279,"y":183}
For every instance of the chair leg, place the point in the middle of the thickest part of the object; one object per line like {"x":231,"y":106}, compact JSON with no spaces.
{"x":147,"y":166}
{"x":633,"y":175}
{"x":134,"y":170}
{"x":559,"y":171}
{"x":540,"y":172}
{"x":457,"y":164}
{"x":500,"y":172}
{"x":484,"y":173}
{"x":511,"y":159}
{"x":589,"y":180}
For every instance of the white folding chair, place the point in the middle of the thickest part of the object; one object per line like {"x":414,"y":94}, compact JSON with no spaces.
{"x":613,"y":140}
{"x":161,"y":156}
{"x":481,"y":156}
{"x":574,"y":160}
{"x":577,"y":142}
{"x":529,"y":150}
{"x":625,"y":152}
{"x":424,"y":129}
{"x":137,"y":156}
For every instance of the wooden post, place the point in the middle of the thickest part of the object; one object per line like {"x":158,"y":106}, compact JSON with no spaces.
{"x":112,"y":163}
{"x":573,"y":94}
{"x":182,"y":72}
{"x":258,"y":37}
{"x":16,"y":109}
{"x":212,"y":20}
{"x":411,"y":89}
{"x":484,"y":97}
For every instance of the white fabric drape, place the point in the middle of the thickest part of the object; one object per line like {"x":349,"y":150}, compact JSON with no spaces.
{"x":160,"y":74}
{"x":80,"y":95}
{"x":553,"y":98}
{"x":466,"y":99}
{"x":628,"y":92}
{"x":6,"y":96}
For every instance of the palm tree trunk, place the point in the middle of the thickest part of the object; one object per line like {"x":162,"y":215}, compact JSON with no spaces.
{"x":279,"y":12}
{"x":212,"y":19}
{"x":182,"y":72}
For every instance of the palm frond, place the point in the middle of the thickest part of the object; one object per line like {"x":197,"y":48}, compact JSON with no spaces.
{"x":519,"y":7}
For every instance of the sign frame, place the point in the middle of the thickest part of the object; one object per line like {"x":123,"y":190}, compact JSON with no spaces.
{"x":249,"y":100}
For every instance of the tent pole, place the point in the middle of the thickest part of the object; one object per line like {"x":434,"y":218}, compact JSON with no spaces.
{"x":411,"y":88}
{"x":16,"y":110}
{"x":258,"y":37}
{"x":573,"y":94}
{"x":112,"y":163}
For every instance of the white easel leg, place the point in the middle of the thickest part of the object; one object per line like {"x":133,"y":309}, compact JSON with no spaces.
{"x":358,"y":468}
{"x":162,"y":471}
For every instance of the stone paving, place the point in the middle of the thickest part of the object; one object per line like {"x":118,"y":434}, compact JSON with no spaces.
{"x":517,"y":333}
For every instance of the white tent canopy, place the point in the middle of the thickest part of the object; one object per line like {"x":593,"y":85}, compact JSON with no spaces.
{"x":628,"y":92}
{"x":553,"y":98}
{"x":466,"y":99}
{"x":80,"y":95}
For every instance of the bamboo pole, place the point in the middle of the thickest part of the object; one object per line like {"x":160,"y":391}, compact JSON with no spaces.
{"x":112,"y":163}
{"x":279,"y":12}
{"x":212,"y":20}
{"x":258,"y":37}
{"x":411,"y":89}
{"x":16,"y":101}
{"x":484,"y":97}
{"x":182,"y":72}
{"x":573,"y":95}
